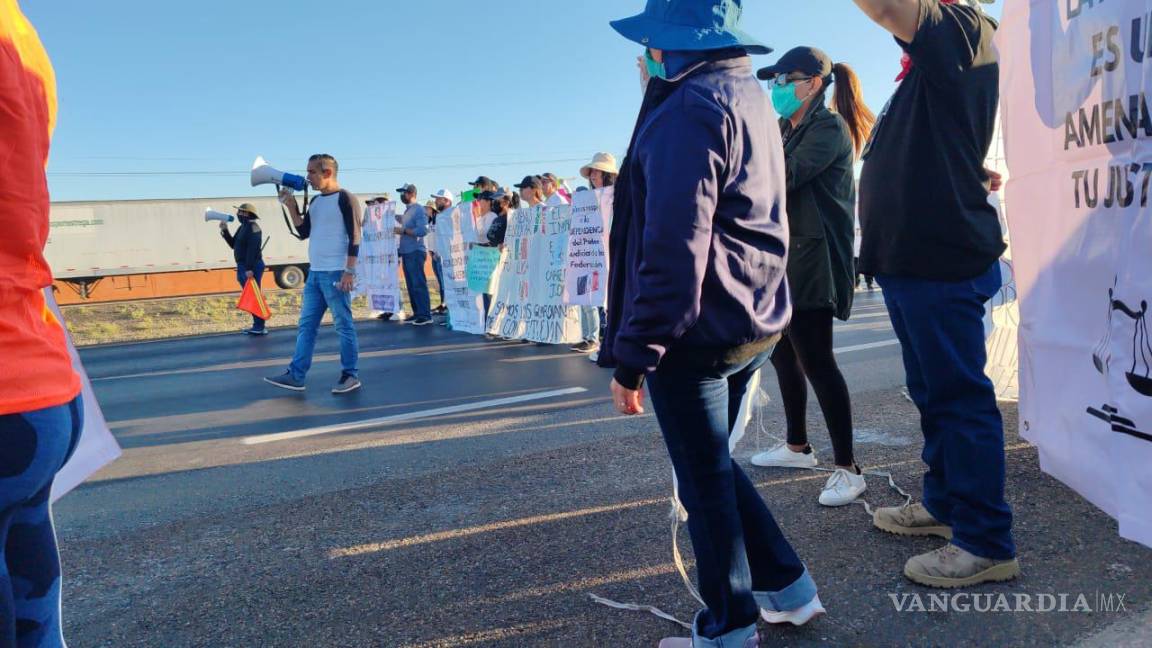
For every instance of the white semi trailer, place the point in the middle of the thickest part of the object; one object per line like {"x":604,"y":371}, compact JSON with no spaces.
{"x":90,"y":241}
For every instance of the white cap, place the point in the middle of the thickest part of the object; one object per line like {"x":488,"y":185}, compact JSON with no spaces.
{"x":444,"y":193}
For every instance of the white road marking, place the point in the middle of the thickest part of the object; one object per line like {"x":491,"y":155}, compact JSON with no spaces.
{"x":865,"y":347}
{"x":409,"y":416}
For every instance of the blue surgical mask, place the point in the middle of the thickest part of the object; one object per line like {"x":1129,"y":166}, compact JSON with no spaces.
{"x":656,"y":69}
{"x":785,"y":101}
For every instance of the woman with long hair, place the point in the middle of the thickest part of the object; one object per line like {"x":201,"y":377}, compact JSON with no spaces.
{"x":820,"y":150}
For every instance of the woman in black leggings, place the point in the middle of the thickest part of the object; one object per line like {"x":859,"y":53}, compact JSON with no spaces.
{"x":820,"y":147}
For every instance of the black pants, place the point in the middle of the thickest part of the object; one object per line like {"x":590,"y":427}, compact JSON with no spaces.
{"x":805,"y":351}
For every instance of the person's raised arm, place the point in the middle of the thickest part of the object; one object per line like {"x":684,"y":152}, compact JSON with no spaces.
{"x":899,"y":17}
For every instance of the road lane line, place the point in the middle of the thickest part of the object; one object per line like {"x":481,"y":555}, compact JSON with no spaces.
{"x":328,"y":357}
{"x":409,"y":416}
{"x":865,"y":347}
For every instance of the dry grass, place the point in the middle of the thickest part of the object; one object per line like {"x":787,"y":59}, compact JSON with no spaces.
{"x":179,"y":317}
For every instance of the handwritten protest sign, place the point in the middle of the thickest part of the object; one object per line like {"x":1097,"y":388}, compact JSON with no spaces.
{"x":482,"y":262}
{"x":586,"y":283}
{"x":529,"y":299}
{"x":455,"y":230}
{"x":377,"y":273}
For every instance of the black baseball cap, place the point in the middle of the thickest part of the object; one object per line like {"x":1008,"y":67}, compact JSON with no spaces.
{"x":529,"y":182}
{"x":408,"y":188}
{"x":806,"y":60}
{"x":483,"y":180}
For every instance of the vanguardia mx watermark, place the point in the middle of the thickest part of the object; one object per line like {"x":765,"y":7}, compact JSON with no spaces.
{"x":1011,"y":603}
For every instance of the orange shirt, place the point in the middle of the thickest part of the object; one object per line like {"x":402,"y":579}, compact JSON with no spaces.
{"x":35,"y":369}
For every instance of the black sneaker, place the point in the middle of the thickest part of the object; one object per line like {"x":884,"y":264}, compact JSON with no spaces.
{"x":587,"y":346}
{"x":347,"y":384}
{"x":384,"y":316}
{"x":421,"y":321}
{"x":256,"y":331}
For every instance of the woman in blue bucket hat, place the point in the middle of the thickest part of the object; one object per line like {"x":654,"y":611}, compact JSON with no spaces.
{"x":697,"y":298}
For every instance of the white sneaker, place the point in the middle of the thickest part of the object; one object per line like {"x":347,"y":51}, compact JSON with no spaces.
{"x":783,"y":457}
{"x":797,"y":617}
{"x":842,"y":488}
{"x":594,"y":356}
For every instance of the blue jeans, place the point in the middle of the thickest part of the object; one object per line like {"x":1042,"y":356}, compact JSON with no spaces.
{"x":941,"y":329}
{"x":413,"y":263}
{"x":743,"y":560}
{"x":258,"y":275}
{"x":590,"y":323}
{"x":35,"y":447}
{"x":438,"y":269}
{"x":320,"y":294}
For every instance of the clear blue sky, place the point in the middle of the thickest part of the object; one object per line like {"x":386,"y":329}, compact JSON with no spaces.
{"x":433,"y":92}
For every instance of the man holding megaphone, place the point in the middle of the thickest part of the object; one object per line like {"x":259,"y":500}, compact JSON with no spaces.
{"x":332,"y":226}
{"x":246,"y":247}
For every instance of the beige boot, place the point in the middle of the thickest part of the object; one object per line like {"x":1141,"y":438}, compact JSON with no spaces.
{"x":912,"y":520}
{"x":950,"y":566}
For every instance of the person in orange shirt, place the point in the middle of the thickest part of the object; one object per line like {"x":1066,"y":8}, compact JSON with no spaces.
{"x":40,"y":408}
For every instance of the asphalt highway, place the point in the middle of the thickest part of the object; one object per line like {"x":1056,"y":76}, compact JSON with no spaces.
{"x":474,"y":493}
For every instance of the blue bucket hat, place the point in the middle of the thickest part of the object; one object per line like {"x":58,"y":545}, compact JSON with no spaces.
{"x":689,"y":25}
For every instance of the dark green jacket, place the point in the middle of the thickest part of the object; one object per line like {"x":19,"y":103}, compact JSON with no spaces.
{"x":821,"y":211}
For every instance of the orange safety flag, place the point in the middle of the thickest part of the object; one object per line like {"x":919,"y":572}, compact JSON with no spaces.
{"x":252,"y":300}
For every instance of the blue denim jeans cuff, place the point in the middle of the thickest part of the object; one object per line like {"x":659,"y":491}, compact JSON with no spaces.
{"x":795,"y":596}
{"x":737,"y":638}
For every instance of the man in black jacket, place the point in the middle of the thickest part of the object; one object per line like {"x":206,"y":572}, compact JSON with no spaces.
{"x":246,"y":248}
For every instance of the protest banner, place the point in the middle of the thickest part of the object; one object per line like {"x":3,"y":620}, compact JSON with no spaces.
{"x":586,"y":283}
{"x":529,"y":300}
{"x":378,"y":270}
{"x":482,"y":262}
{"x":455,"y":233}
{"x":97,"y":447}
{"x":1077,"y":129}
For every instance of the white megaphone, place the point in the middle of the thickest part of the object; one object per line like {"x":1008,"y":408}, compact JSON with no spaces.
{"x":263,"y":173}
{"x":210,"y":216}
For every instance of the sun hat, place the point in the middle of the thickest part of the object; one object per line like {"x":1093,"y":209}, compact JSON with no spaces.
{"x":690,"y":25}
{"x":605,"y":162}
{"x":248,"y":207}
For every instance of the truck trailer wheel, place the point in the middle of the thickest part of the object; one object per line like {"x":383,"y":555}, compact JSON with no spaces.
{"x":290,"y":277}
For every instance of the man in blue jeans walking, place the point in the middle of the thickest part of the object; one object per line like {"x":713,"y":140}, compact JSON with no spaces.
{"x":933,"y":242}
{"x":332,"y":227}
{"x":697,"y":299}
{"x":412,"y":229}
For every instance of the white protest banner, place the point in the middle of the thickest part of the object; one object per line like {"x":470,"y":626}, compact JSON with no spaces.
{"x":455,"y":231}
{"x":97,"y":447}
{"x":1078,"y":133}
{"x":586,"y":283}
{"x":378,"y":270}
{"x":529,"y":299}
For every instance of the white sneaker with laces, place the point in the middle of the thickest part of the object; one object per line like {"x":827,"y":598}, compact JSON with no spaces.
{"x":842,"y":488}
{"x":797,"y":617}
{"x":784,"y":457}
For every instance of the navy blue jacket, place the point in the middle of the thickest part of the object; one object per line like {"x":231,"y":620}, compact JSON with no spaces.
{"x":246,"y":244}
{"x":699,"y":238}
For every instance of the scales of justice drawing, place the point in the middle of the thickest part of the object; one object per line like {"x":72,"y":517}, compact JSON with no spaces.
{"x":1139,"y":375}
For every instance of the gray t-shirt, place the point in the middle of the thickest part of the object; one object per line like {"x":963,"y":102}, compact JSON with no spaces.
{"x":415,"y":219}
